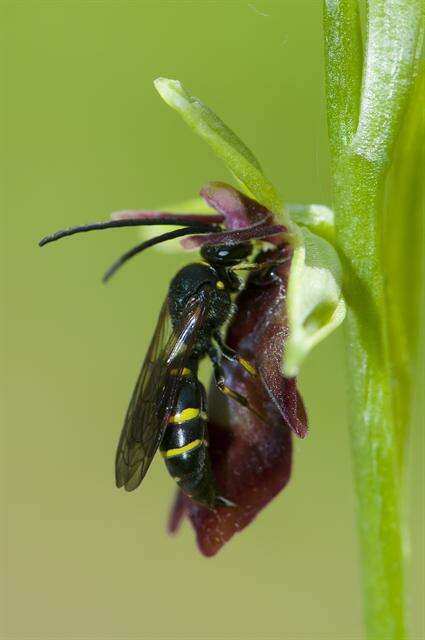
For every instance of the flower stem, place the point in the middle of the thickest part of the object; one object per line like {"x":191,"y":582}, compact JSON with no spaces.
{"x":366,"y":106}
{"x":373,"y":433}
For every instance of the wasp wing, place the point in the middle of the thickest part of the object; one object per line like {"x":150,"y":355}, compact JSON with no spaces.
{"x":155,"y":393}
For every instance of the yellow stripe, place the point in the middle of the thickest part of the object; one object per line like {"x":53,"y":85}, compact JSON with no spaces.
{"x":248,"y":366}
{"x":170,"y":453}
{"x":183,"y":372}
{"x":184,"y":416}
{"x":232,"y":394}
{"x":219,"y":284}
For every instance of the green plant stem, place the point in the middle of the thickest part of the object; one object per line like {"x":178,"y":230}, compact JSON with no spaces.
{"x":404,"y":227}
{"x":358,"y":196}
{"x":365,"y":111}
{"x":344,"y":61}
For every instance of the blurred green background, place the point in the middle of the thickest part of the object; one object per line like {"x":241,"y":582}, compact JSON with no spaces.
{"x":84,"y":133}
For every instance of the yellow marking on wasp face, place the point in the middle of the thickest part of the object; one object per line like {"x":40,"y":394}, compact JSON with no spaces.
{"x":204,"y":415}
{"x":219,"y":284}
{"x":184,"y":416}
{"x":182,"y":372}
{"x":248,"y":366}
{"x":170,"y":453}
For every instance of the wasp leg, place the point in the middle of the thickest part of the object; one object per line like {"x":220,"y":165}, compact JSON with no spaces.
{"x":231,"y":355}
{"x":246,"y":266}
{"x":220,"y":381}
{"x":259,"y":266}
{"x":263,"y":273}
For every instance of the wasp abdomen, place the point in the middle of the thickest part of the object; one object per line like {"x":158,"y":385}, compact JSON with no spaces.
{"x":184,"y":446}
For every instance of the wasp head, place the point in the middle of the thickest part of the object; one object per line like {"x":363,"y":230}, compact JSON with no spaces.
{"x":226,"y":255}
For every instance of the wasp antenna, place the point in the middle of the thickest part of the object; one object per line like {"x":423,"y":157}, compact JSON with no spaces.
{"x":160,"y":219}
{"x":170,"y":235}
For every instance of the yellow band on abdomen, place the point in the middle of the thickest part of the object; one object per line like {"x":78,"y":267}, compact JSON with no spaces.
{"x":170,"y":453}
{"x":187,"y":414}
{"x":182,"y":372}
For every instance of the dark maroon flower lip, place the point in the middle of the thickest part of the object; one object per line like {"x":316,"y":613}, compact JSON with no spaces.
{"x":251,"y":457}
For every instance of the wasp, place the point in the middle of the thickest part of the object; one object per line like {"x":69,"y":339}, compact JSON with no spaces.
{"x":168,"y":408}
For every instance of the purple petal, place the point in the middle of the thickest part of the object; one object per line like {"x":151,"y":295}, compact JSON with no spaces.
{"x":177,"y":512}
{"x":238,"y":209}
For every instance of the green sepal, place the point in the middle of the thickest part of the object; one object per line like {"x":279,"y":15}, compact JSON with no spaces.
{"x":224,"y":142}
{"x":317,"y":217}
{"x":315,"y":305}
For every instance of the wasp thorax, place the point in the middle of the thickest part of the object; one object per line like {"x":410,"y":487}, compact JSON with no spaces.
{"x":226,"y":254}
